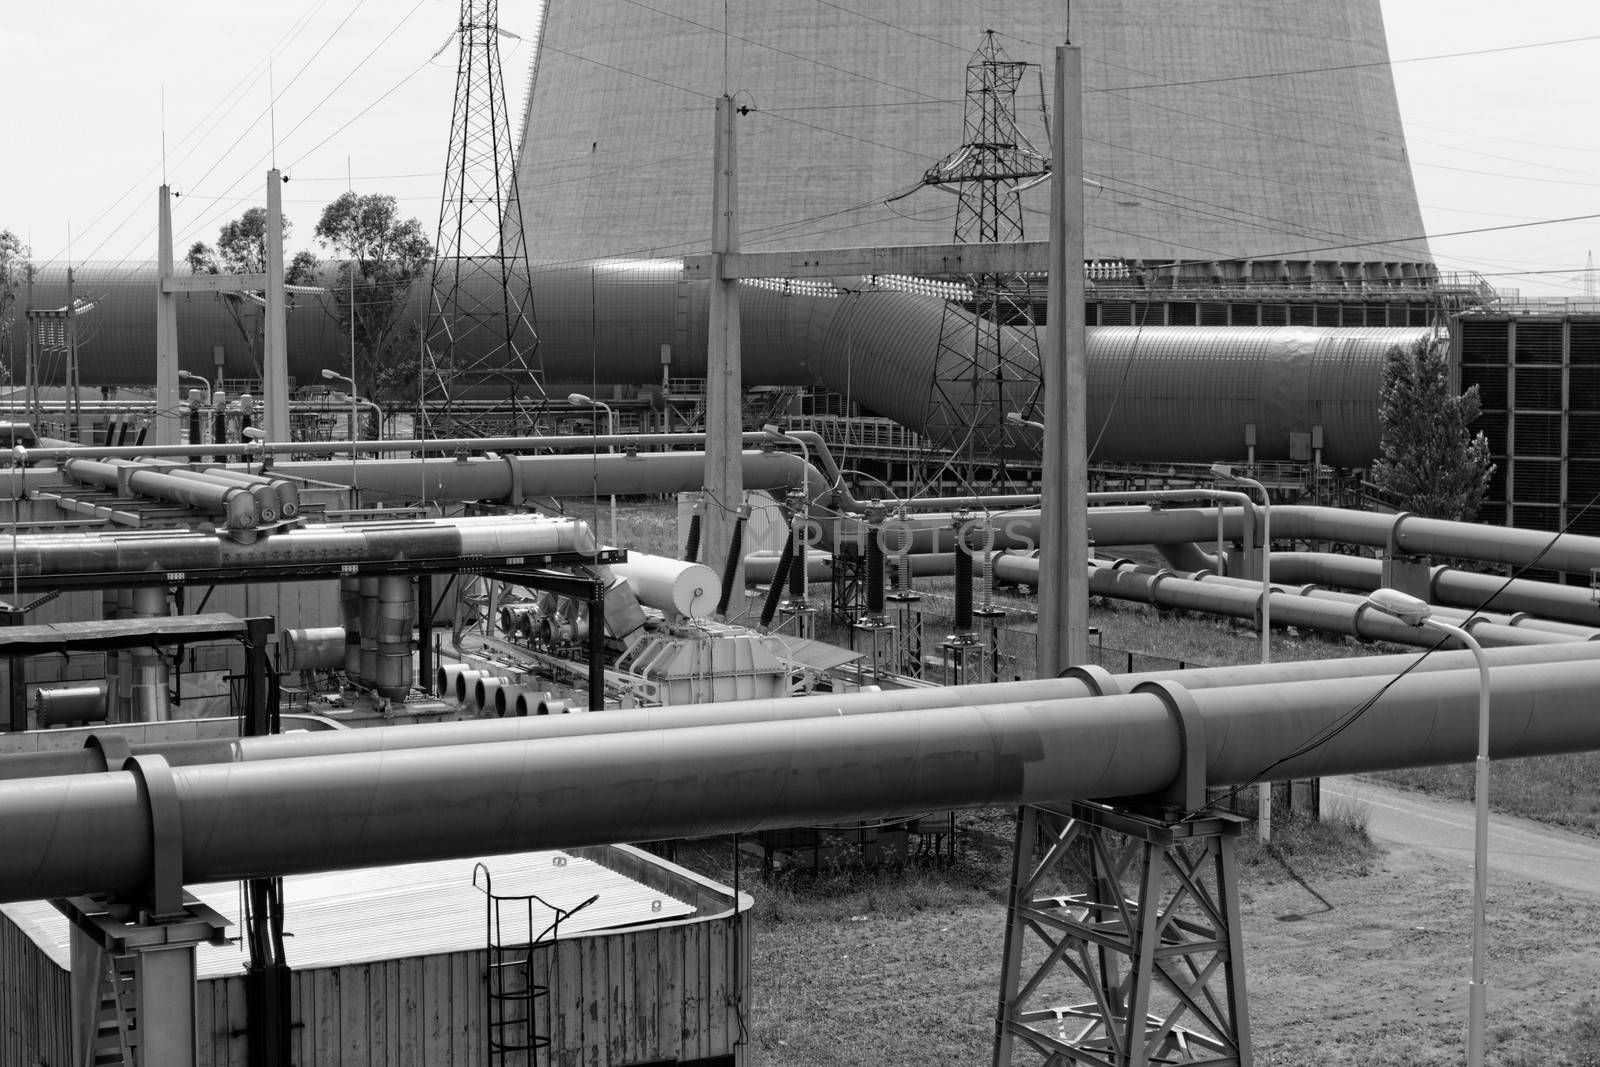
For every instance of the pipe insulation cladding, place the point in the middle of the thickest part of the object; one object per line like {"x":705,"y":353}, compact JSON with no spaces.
{"x":95,"y":832}
{"x":1154,"y":393}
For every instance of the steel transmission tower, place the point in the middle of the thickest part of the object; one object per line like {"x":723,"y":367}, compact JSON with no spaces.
{"x":978,"y":379}
{"x":481,"y":372}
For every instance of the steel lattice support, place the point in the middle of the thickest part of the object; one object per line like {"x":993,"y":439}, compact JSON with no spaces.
{"x":978,"y":377}
{"x":481,"y":339}
{"x":1123,"y":944}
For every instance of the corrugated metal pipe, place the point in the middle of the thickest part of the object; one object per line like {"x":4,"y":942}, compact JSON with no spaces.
{"x":101,"y":832}
{"x":61,"y":705}
{"x":315,"y":648}
{"x":1154,"y":393}
{"x":368,"y":675}
{"x":396,"y":614}
{"x":350,"y":615}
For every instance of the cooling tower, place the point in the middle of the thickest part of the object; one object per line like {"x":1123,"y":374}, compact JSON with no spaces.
{"x":1240,"y":140}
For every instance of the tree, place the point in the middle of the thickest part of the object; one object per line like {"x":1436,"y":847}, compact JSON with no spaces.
{"x":385,"y":256}
{"x":242,"y":249}
{"x":1430,"y":461}
{"x":16,"y":267}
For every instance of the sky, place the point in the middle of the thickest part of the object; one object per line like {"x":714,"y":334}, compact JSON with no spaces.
{"x":112,"y":96}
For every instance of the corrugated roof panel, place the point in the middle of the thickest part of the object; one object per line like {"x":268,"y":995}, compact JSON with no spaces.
{"x":416,"y":909}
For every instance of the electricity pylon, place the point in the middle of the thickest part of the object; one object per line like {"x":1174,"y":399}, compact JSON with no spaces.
{"x":980,"y":375}
{"x":481,"y":371}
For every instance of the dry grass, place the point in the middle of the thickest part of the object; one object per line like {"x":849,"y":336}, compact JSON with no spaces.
{"x":1562,"y":789}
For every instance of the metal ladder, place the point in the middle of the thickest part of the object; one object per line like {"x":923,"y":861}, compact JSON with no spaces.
{"x":116,"y":1040}
{"x":512,"y":938}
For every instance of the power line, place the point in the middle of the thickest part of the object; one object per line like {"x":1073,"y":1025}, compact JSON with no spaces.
{"x":1343,"y":66}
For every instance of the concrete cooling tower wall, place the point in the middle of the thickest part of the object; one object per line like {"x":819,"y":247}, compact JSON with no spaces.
{"x":1239,"y":140}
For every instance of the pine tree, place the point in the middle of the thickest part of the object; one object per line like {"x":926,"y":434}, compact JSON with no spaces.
{"x":1432,"y":464}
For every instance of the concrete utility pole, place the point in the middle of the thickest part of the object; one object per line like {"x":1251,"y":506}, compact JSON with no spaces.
{"x":275,"y":354}
{"x":275,"y":342}
{"x":724,"y":374}
{"x":1064,"y":533}
{"x":165,"y":429}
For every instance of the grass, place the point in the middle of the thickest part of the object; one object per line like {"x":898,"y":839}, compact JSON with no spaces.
{"x":1563,"y":789}
{"x":1302,"y":846}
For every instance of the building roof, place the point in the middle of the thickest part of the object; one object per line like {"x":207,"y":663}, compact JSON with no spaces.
{"x":415,"y":909}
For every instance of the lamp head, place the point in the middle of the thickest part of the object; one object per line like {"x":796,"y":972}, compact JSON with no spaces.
{"x":579,"y":398}
{"x":1403,"y":606}
{"x":254,"y":433}
{"x":772,"y":431}
{"x":330,"y":375}
{"x":1222,"y":470}
{"x":1014,"y":418}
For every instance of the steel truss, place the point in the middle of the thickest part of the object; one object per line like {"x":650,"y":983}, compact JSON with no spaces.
{"x":1139,"y":959}
{"x":988,"y":359}
{"x":481,"y":340}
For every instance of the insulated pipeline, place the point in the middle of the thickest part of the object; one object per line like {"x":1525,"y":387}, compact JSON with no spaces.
{"x":1082,"y":682}
{"x":1160,"y":393}
{"x":93,"y":833}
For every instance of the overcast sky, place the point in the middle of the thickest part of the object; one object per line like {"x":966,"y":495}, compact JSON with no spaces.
{"x":1496,"y":140}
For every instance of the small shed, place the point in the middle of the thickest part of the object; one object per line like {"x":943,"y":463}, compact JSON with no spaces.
{"x":391,"y":966}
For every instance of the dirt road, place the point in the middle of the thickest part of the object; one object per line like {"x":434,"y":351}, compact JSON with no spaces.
{"x":1518,"y":848}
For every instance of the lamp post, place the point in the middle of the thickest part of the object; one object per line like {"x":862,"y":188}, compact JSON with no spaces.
{"x":611,"y":430}
{"x":184,"y":375}
{"x":801,"y":514}
{"x":335,"y":376}
{"x":1413,"y":612}
{"x":1225,"y":473}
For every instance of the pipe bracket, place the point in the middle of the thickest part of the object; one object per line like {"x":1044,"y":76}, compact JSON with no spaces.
{"x":1099,"y":681}
{"x":1187,"y":791}
{"x":164,"y":892}
{"x":113,"y":750}
{"x":515,"y":469}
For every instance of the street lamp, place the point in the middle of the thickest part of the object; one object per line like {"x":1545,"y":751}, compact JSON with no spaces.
{"x":611,"y":430}
{"x":1014,"y":418}
{"x":1413,"y":612}
{"x":204,"y":381}
{"x":801,"y":514}
{"x":335,"y":376}
{"x":1225,"y":473}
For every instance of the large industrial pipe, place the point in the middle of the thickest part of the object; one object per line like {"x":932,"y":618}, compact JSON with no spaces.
{"x":311,"y":649}
{"x":1447,"y":585}
{"x":237,"y":504}
{"x":1083,"y":682}
{"x":95,"y":833}
{"x":39,"y":558}
{"x":687,"y":590}
{"x":60,"y":705}
{"x":1167,"y":393}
